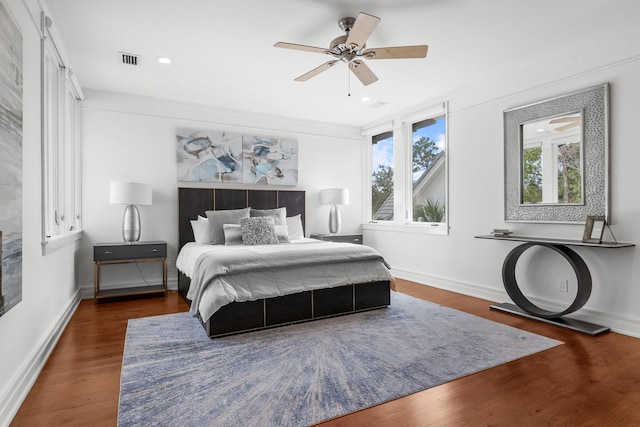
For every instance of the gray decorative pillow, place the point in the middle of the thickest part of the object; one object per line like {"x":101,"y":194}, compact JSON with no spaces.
{"x":258,"y":231}
{"x":217,"y":220}
{"x":278,"y":214}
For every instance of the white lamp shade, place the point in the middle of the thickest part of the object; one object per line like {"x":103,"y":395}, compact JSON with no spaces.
{"x":130,"y":193}
{"x":334,"y":196}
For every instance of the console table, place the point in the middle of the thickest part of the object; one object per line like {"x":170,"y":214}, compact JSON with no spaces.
{"x":524,"y":307}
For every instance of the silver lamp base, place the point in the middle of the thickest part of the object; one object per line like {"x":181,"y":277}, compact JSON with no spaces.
{"x":335,"y":223}
{"x":131,"y":224}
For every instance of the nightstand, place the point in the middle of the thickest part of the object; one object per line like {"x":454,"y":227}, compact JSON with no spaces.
{"x":348,"y":238}
{"x":127,"y":253}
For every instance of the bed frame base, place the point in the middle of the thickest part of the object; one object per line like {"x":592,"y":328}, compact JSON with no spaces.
{"x":239,"y":317}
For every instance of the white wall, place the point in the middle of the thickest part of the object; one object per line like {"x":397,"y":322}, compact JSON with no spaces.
{"x":461,"y":263}
{"x":128,"y":138}
{"x":49,"y":294}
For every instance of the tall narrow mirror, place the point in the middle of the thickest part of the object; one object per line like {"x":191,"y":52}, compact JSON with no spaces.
{"x":552,"y":160}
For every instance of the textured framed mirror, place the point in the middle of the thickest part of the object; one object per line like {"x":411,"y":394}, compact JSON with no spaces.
{"x":556,"y":158}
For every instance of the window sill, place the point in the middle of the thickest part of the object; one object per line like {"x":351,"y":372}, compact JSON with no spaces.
{"x":53,"y":243}
{"x":438,"y":229}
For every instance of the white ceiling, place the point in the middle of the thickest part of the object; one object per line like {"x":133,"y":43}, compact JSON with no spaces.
{"x":223,"y":52}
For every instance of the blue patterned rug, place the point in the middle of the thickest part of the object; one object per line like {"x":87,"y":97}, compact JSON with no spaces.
{"x":173,"y":374}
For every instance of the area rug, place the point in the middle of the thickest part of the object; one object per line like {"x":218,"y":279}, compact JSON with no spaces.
{"x":173,"y":374}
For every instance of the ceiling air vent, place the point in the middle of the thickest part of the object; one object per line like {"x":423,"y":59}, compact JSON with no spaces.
{"x":129,"y":58}
{"x":378,"y":104}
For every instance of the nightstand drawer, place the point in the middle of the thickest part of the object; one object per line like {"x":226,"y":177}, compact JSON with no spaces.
{"x":114,"y":252}
{"x":348,"y":238}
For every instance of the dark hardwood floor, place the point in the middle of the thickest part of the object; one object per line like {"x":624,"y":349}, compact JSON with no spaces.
{"x":587,"y":381}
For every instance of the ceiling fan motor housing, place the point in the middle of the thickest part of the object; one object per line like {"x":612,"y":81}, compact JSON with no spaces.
{"x":338,"y":45}
{"x":346,"y":24}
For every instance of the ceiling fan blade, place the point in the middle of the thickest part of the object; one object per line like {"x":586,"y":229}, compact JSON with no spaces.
{"x":363,"y":73}
{"x":362,"y":29}
{"x":302,"y":47}
{"x":316,"y":71}
{"x":567,"y":119}
{"x":396,"y":52}
{"x":567,"y":127}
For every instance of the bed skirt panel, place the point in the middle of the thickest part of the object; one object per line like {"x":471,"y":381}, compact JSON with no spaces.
{"x":247,"y":316}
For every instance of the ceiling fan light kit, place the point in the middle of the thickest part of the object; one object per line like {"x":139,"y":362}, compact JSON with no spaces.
{"x":350,"y":47}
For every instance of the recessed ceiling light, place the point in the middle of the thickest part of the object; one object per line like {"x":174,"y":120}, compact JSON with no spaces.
{"x":365,"y":99}
{"x":540,"y":130}
{"x":164,"y":60}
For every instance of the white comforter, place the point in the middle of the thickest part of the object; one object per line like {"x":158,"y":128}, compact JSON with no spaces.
{"x":223,"y":274}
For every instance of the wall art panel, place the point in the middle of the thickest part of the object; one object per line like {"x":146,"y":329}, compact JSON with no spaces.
{"x":231,"y":157}
{"x":10,"y":161}
{"x":269,"y":161}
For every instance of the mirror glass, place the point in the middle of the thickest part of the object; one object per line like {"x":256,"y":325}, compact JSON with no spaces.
{"x":552,"y":160}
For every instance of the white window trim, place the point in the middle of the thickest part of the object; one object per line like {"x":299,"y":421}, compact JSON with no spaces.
{"x":413,"y":228}
{"x":56,"y":242}
{"x":60,"y":144}
{"x":403,"y":200}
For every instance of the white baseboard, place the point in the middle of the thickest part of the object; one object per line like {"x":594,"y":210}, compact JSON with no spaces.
{"x":28,"y":373}
{"x":465,"y":288}
{"x":625,"y":325}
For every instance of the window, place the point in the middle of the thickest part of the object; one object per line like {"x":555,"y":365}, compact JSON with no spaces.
{"x":382,"y":176}
{"x":428,"y":165}
{"x":551,"y":171}
{"x":408,"y":171}
{"x":60,"y":144}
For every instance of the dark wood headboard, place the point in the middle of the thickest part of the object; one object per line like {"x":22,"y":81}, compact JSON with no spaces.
{"x":195,"y":201}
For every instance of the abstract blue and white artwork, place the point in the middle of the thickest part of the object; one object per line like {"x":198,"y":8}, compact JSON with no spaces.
{"x":209,"y":156}
{"x":10,"y":161}
{"x":269,"y":160}
{"x":232,"y":157}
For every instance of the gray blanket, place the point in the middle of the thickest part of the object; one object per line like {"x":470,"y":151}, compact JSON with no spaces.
{"x":240,"y":260}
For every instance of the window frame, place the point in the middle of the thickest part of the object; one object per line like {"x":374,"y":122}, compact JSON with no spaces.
{"x":61,"y":197}
{"x":382,"y":136}
{"x":407,"y":124}
{"x":403,"y":174}
{"x":367,"y":167}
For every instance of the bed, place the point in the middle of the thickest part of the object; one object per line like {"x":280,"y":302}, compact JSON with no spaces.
{"x":360,"y":281}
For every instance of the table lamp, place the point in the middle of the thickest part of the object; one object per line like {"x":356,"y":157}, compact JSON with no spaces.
{"x":130,"y":194}
{"x":334,"y":196}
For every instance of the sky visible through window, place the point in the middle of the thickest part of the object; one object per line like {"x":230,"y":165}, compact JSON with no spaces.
{"x":382,"y":152}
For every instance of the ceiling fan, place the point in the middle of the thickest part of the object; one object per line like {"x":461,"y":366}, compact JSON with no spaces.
{"x":350,"y":47}
{"x":571,"y":122}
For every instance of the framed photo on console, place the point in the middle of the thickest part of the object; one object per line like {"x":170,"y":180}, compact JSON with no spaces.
{"x":594,"y":229}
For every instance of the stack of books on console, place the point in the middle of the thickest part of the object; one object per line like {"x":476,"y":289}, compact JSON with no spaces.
{"x":501,"y":232}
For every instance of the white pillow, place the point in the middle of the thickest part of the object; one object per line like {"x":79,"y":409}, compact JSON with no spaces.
{"x":200,"y":230}
{"x":282,"y":233}
{"x":294,"y":227}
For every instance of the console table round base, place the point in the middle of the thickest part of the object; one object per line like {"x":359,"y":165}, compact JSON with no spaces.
{"x":573,"y":324}
{"x":511,"y":284}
